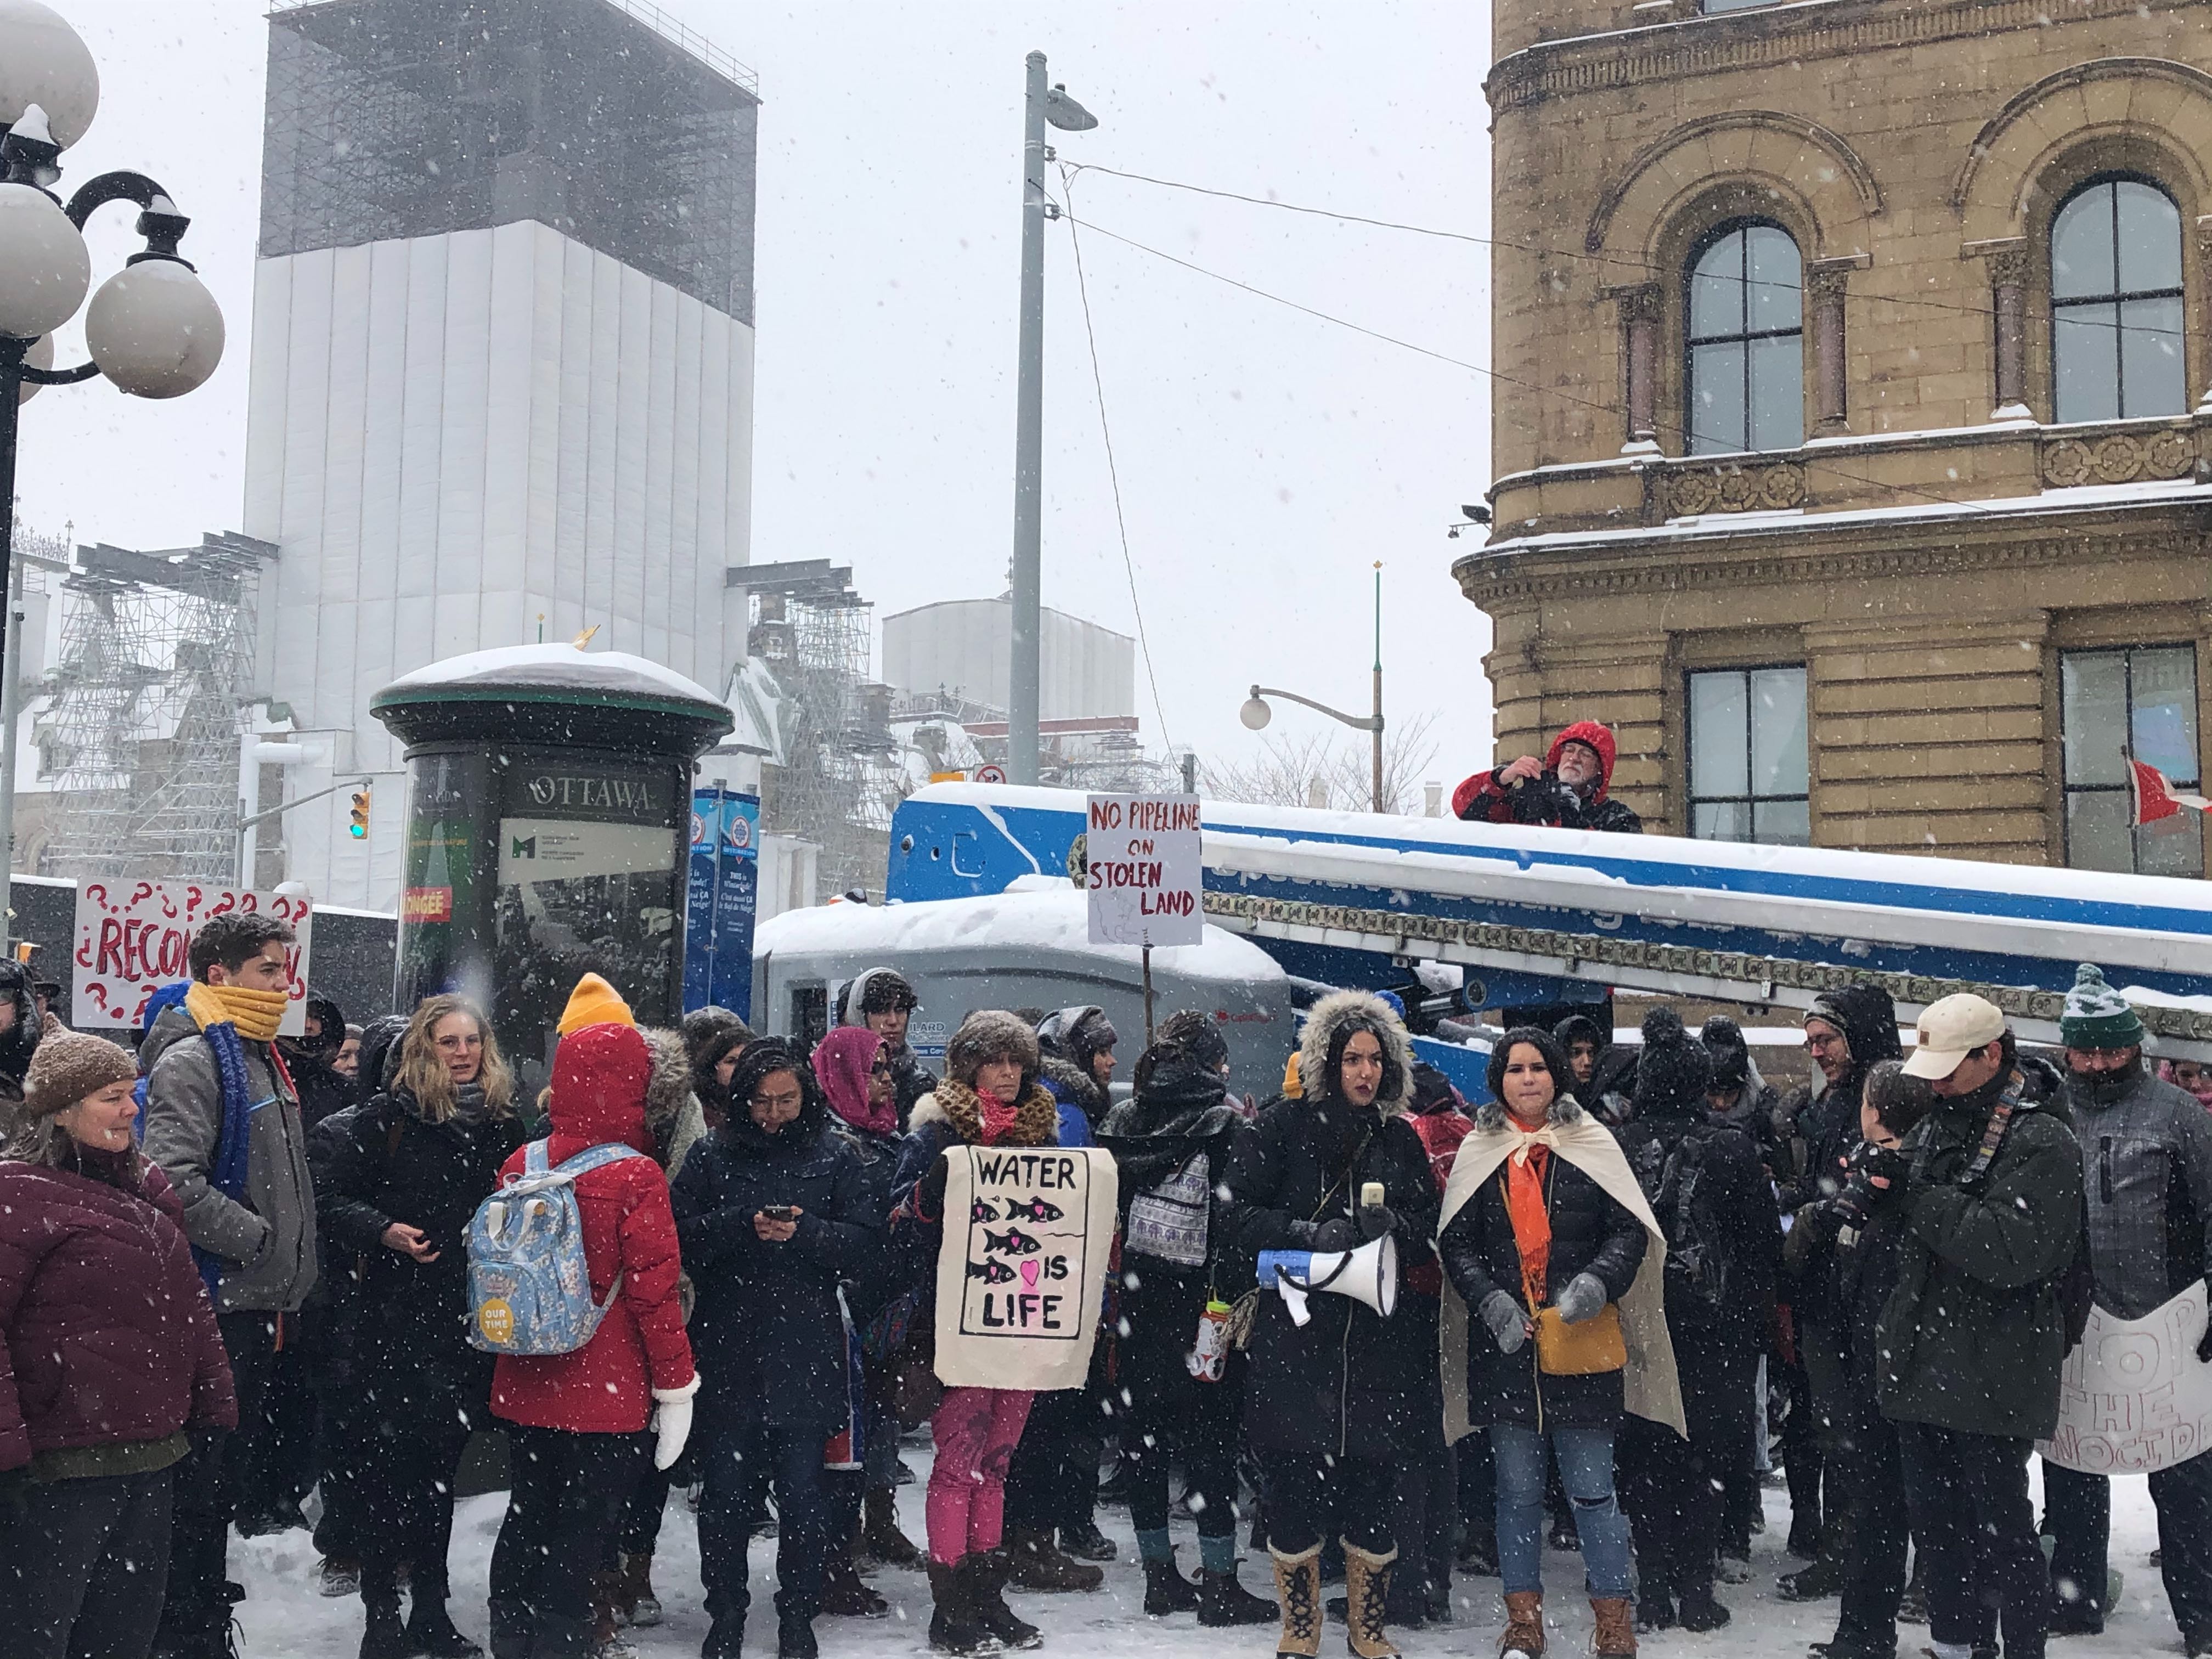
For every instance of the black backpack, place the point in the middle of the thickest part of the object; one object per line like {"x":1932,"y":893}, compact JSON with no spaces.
{"x":1698,"y":1266}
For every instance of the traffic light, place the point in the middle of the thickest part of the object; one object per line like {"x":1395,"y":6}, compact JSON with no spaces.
{"x":357,"y":827}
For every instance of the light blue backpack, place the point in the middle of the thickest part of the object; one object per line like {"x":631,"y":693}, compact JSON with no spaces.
{"x":530,"y":1288}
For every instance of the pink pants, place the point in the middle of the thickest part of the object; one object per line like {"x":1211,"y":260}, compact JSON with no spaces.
{"x":976,"y":1431}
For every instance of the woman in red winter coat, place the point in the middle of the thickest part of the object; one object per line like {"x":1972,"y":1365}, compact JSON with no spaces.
{"x":577,"y":1421}
{"x":111,"y":1355}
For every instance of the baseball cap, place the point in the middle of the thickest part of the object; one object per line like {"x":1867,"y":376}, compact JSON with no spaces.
{"x":1950,"y":1030}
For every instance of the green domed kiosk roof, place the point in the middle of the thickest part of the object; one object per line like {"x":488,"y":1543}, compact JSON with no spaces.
{"x":553,"y":694}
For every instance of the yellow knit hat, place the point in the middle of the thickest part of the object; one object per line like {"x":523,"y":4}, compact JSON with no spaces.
{"x":593,"y":1002}
{"x":1292,"y":1088}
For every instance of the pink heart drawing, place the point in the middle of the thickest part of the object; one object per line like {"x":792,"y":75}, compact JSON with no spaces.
{"x":1029,"y":1275}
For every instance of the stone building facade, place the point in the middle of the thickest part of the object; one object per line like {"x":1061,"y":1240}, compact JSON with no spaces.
{"x":1852,"y":448}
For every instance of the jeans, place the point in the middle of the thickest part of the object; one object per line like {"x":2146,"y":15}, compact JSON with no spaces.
{"x":975,"y":1431}
{"x":1313,"y":1497}
{"x":743,"y":1461}
{"x":564,"y":1501}
{"x":88,"y":1559}
{"x":1973,"y":1520}
{"x":1586,"y":1466}
{"x":210,"y":1481}
{"x":2077,"y":1512}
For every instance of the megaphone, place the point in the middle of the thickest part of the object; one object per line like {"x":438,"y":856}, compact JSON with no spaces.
{"x":1368,"y":1274}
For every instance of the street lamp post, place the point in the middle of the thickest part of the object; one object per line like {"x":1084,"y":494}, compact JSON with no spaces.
{"x":1256,"y":713}
{"x":153,"y":329}
{"x":1045,"y":105}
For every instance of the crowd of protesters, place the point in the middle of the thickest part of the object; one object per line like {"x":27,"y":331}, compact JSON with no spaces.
{"x":234,"y":1273}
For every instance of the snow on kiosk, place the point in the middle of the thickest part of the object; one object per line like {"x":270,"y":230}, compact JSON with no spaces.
{"x":548,"y":818}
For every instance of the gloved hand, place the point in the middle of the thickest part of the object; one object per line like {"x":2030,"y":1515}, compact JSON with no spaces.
{"x":1336,"y":1234}
{"x":1584,"y":1298}
{"x":929,"y":1192}
{"x":1375,"y":1221}
{"x":1508,"y":1326}
{"x":1888,"y":1164}
{"x":672,"y":1422}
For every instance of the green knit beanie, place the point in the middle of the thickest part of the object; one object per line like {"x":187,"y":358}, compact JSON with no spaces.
{"x":2097,"y":1016}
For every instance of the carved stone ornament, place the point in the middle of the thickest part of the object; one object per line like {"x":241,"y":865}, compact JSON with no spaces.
{"x":1684,"y":492}
{"x":2117,"y":457}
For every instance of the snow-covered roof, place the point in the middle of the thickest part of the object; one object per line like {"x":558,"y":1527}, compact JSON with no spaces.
{"x":557,"y":667}
{"x":1055,"y":920}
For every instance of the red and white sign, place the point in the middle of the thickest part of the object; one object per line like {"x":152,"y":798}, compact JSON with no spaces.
{"x":990,"y":772}
{"x":134,"y":937}
{"x":2156,"y":799}
{"x":1145,"y":866}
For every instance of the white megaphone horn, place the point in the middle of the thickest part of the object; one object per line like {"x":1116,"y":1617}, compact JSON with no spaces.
{"x":1368,"y":1274}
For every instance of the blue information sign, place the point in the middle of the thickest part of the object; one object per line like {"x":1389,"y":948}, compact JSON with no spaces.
{"x":722,"y":897}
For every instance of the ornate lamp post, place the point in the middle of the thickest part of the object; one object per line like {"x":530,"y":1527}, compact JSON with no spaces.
{"x":153,"y":329}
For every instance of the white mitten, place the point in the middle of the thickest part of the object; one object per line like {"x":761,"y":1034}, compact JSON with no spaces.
{"x":671,"y":1421}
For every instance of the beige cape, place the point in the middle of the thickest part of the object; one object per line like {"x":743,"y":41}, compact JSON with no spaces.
{"x":1651,"y":1387}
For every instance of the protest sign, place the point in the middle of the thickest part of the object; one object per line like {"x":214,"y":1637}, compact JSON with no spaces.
{"x":2134,"y":1397}
{"x":1021,"y":1275}
{"x":1145,"y":870}
{"x":134,"y":937}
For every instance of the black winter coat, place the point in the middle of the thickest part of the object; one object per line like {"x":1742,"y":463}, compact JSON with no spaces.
{"x":1591,"y":1232}
{"x":380,"y":1162}
{"x":766,"y":1331}
{"x":1347,"y":1383}
{"x":1735,"y":1199}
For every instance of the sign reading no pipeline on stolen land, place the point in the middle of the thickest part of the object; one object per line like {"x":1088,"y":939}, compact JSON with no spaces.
{"x":1146,"y":868}
{"x":2134,"y":1397}
{"x":133,"y":937}
{"x":1021,"y":1275}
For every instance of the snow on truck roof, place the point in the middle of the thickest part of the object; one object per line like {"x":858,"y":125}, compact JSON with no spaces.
{"x":1055,"y":922}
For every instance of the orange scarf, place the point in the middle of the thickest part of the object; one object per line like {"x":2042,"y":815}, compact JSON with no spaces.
{"x":1531,"y":1219}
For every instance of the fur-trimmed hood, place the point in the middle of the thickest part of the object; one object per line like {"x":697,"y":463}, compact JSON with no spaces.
{"x":1037,"y":1121}
{"x":672,"y":1111}
{"x":1563,"y":1111}
{"x":1334,"y":1019}
{"x":1082,"y":1089}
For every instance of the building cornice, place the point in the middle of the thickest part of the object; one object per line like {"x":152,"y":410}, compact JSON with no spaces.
{"x":1758,"y":40}
{"x":1807,"y":553}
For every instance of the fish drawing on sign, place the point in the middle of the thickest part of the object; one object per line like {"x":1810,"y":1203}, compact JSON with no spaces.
{"x":982,"y":1211}
{"x":1035,"y":1210}
{"x":1010,"y":1243}
{"x":991,"y":1272}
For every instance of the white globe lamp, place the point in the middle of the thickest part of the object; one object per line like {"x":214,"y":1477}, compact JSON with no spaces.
{"x":155,"y":330}
{"x":43,"y":62}
{"x":1256,"y":713}
{"x":41,"y":356}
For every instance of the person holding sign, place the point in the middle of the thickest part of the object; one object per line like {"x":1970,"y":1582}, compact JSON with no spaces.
{"x":990,"y":1098}
{"x":1329,"y":1399}
{"x":1546,"y":1236}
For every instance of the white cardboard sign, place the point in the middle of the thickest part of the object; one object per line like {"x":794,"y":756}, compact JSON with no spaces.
{"x":2134,"y":1397}
{"x":132,"y":937}
{"x":1146,"y":870}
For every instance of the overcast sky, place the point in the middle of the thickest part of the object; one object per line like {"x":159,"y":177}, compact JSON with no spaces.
{"x":1266,"y":459}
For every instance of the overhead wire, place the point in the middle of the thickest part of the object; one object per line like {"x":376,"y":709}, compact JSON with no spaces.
{"x":1644,"y":267}
{"x":1113,"y":471}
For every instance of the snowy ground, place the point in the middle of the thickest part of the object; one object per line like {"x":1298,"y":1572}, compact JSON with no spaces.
{"x":285,"y":1616}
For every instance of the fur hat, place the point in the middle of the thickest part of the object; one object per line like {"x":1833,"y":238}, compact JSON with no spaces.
{"x":1673,"y":1072}
{"x":990,"y":1034}
{"x":1332,"y":1023}
{"x":68,"y":1067}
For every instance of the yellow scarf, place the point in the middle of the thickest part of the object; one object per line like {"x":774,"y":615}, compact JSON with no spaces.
{"x":255,"y":1013}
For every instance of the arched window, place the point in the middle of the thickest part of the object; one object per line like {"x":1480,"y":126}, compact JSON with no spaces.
{"x":2116,"y":303}
{"x":1746,"y":345}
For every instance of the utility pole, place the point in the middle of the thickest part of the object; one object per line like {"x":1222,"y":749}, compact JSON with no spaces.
{"x":1044,"y":104}
{"x":1378,"y":727}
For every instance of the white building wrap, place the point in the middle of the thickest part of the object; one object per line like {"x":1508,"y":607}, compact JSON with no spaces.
{"x":451,"y":436}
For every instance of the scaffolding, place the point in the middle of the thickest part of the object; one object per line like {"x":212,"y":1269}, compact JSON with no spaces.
{"x":150,"y":709}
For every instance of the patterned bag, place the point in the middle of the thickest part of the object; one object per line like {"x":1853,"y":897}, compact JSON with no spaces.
{"x":530,"y":1288}
{"x":1169,"y":1222}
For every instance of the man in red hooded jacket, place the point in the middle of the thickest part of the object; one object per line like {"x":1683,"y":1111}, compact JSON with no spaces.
{"x":1566,"y":789}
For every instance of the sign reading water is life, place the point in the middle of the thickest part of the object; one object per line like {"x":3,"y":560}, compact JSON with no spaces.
{"x":1028,"y":1243}
{"x":1146,"y":868}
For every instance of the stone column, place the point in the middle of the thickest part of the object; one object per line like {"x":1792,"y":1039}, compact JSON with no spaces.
{"x":1826,"y":281}
{"x":2007,"y":266}
{"x":1640,"y":311}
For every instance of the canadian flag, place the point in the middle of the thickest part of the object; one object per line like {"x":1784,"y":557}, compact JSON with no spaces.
{"x":2156,"y":799}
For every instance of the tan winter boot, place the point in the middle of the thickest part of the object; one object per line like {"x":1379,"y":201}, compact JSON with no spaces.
{"x":1524,"y":1625}
{"x":1366,"y":1592}
{"x":1298,"y":1587}
{"x":1616,"y":1637}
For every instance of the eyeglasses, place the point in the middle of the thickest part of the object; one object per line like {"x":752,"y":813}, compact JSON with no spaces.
{"x":881,"y":1068}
